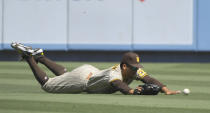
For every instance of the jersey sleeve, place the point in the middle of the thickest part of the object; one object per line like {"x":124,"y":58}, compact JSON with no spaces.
{"x":115,"y":74}
{"x":140,"y":74}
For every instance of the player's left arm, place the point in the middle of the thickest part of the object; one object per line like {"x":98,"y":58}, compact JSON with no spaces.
{"x":121,"y":86}
{"x":144,"y":77}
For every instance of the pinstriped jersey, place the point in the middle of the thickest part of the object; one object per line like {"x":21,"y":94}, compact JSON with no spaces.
{"x":100,"y":82}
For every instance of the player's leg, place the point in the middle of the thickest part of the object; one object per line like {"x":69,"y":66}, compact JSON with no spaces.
{"x":25,"y":52}
{"x":39,"y":57}
{"x":54,"y":67}
{"x":40,"y":75}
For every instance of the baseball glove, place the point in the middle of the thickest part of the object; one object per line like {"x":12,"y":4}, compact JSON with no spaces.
{"x":148,"y":89}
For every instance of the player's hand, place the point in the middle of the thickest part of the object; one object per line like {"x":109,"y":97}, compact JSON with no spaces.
{"x":138,"y":89}
{"x":170,"y":92}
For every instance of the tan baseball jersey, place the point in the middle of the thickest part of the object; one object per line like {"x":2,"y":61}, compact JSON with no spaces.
{"x":100,"y":82}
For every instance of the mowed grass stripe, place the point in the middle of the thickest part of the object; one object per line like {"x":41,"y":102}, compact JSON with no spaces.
{"x":192,"y":78}
{"x":7,"y":89}
{"x":14,"y":71}
{"x":21,"y":74}
{"x":25,"y":111}
{"x":19,"y":81}
{"x":185,"y":68}
{"x":203,"y":66}
{"x":47,"y":106}
{"x":178,"y":73}
{"x":16,"y":76}
{"x":136,"y":101}
{"x":186,"y":83}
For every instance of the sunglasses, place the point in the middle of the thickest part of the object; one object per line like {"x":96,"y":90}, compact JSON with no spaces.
{"x":132,"y":68}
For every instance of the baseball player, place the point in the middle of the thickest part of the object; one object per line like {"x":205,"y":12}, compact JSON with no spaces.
{"x":88,"y":78}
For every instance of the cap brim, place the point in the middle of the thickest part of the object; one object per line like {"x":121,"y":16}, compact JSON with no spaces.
{"x":137,"y":65}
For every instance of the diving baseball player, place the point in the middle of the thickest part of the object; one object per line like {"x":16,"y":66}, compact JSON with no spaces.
{"x":88,"y":78}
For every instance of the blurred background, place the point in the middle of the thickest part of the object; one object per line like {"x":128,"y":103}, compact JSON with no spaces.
{"x":102,"y":30}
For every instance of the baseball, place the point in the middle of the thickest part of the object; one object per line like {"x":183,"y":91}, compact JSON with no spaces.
{"x":186,"y":91}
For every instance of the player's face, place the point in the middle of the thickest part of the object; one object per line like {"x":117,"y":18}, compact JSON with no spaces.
{"x":134,"y":69}
{"x":129,"y":70}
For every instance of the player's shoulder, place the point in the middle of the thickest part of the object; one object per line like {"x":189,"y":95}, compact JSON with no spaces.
{"x":115,"y":74}
{"x":115,"y":71}
{"x":115,"y":67}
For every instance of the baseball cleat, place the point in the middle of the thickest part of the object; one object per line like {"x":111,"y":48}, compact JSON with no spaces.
{"x":37,"y":53}
{"x":25,"y":51}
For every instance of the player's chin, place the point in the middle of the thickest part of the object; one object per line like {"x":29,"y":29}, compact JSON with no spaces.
{"x":133,"y":73}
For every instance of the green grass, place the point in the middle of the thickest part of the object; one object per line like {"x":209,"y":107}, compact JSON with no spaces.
{"x":21,"y":93}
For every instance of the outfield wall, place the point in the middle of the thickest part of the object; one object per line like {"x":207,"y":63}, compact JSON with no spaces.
{"x":148,"y":25}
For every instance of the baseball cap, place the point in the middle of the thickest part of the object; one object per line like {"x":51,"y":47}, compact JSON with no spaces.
{"x":131,"y":59}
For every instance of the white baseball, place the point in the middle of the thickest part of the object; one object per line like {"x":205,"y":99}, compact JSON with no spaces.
{"x":186,"y":91}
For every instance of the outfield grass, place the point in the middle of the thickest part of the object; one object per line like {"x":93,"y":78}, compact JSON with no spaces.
{"x":20,"y":92}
